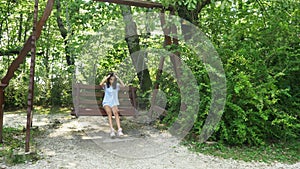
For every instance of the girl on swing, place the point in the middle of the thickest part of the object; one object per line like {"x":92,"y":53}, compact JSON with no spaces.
{"x":111,"y":101}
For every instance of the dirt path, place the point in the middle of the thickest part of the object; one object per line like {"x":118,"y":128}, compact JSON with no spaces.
{"x":84,"y":143}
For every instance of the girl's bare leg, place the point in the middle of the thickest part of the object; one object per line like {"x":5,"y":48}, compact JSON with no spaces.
{"x":115,"y":110}
{"x":116,"y":113}
{"x":109,"y":114}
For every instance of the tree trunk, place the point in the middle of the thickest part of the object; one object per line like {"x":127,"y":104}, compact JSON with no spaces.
{"x":27,"y":27}
{"x":20,"y":28}
{"x":1,"y":27}
{"x":64,"y":34}
{"x":192,"y":16}
{"x":47,"y":53}
{"x":133,"y":43}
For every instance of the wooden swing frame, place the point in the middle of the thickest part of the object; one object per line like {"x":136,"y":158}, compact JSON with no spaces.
{"x":30,"y":45}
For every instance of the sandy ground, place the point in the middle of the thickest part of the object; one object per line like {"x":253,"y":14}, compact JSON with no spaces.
{"x":84,"y":142}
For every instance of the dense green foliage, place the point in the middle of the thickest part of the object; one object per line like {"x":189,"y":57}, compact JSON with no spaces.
{"x":258,"y":43}
{"x":259,"y":46}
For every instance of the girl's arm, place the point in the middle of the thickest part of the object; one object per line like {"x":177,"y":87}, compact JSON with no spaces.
{"x":121,"y":82}
{"x":104,"y":80}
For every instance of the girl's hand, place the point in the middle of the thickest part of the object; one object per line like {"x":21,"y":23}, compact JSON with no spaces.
{"x":122,"y":83}
{"x":103,"y":80}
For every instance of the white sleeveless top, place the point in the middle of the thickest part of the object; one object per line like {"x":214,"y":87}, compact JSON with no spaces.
{"x":111,"y":95}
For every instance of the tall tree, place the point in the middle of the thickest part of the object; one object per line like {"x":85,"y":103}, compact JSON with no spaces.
{"x":64,"y":33}
{"x":137,"y":56}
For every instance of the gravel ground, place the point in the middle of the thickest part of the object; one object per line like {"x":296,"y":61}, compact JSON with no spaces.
{"x":84,"y":142}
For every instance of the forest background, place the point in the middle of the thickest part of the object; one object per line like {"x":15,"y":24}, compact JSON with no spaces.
{"x":257,"y":41}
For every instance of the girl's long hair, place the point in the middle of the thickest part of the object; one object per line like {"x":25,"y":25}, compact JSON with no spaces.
{"x":114,"y":84}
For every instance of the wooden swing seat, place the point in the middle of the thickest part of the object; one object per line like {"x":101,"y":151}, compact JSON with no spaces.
{"x":87,"y":100}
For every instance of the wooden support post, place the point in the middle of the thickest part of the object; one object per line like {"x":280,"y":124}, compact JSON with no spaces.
{"x":167,"y":41}
{"x":1,"y":112}
{"x":31,"y":80}
{"x":20,"y":59}
{"x":177,"y":65}
{"x":175,"y":59}
{"x":77,"y":99}
{"x":156,"y":85}
{"x":132,"y":95}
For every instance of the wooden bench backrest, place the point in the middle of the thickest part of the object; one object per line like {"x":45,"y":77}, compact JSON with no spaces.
{"x":87,"y":100}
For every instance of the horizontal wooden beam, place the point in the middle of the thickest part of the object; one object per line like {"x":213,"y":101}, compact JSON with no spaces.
{"x":137,"y":3}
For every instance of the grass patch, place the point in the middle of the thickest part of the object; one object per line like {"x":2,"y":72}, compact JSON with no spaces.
{"x":280,"y":152}
{"x":12,"y":150}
